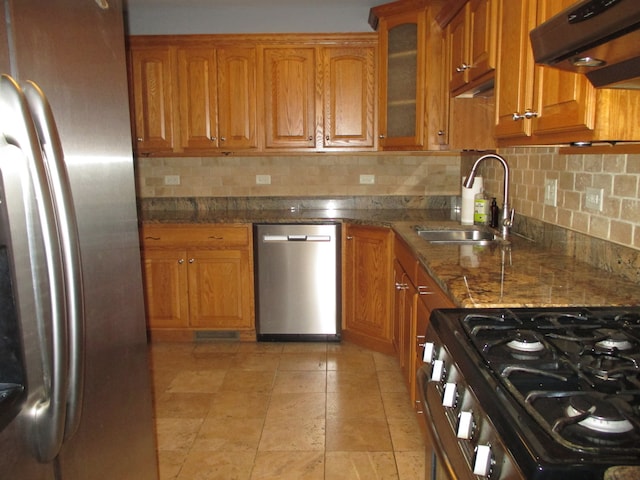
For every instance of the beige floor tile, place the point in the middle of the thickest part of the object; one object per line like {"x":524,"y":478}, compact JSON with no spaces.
{"x":248,"y":381}
{"x":411,"y":465}
{"x":314,"y":361}
{"x":304,"y":347}
{"x":256,"y":361}
{"x":229,"y":435}
{"x":360,"y":465}
{"x":392,"y":381}
{"x":385,"y":362}
{"x":297,"y":405}
{"x":293,"y":434}
{"x":183,"y":405}
{"x":362,"y":362}
{"x":289,"y":466}
{"x":300,"y":382}
{"x":353,"y":381}
{"x":176,"y":433}
{"x":169,"y":464}
{"x":197,"y":381}
{"x":345,"y":404}
{"x":260,"y":347}
{"x":358,"y":435}
{"x":249,"y":404}
{"x":217,"y":466}
{"x":397,"y":405}
{"x":405,"y":434}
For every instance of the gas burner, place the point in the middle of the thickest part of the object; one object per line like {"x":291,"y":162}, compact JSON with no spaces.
{"x":613,"y":340}
{"x":524,"y":341}
{"x":597,"y":414}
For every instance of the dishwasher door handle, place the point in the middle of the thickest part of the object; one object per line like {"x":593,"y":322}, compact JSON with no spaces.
{"x":296,"y":238}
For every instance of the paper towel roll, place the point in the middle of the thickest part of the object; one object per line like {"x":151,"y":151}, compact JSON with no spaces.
{"x":468,"y":197}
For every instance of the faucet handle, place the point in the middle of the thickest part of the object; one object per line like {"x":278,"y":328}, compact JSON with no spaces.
{"x":508,"y":222}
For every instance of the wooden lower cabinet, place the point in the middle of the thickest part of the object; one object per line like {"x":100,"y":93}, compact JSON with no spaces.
{"x":367,"y":299}
{"x":198,"y":278}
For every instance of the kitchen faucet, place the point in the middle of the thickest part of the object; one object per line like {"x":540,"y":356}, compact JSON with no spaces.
{"x":507,"y":216}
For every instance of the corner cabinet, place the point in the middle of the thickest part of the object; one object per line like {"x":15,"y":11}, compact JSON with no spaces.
{"x":367,"y":300}
{"x":198,"y":278}
{"x":412,"y":105}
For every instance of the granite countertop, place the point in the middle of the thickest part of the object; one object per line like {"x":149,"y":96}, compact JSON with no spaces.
{"x":521,"y":274}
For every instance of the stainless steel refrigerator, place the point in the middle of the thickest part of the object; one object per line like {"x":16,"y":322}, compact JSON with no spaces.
{"x":75,"y":393}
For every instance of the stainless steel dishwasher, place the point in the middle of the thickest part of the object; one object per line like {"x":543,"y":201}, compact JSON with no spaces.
{"x":297,"y":281}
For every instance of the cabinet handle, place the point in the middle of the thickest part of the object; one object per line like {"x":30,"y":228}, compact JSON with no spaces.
{"x":381,"y":136}
{"x":349,"y":237}
{"x":152,"y":238}
{"x":213,"y":139}
{"x":213,"y":237}
{"x":525,"y":116}
{"x":402,"y":286}
{"x":139,"y":139}
{"x":191,"y":260}
{"x":181,"y":261}
{"x":223,"y":139}
{"x":462,"y":68}
{"x":424,"y":290}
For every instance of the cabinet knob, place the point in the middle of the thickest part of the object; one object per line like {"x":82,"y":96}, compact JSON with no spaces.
{"x":213,"y":139}
{"x":181,"y":261}
{"x":191,"y":260}
{"x":349,"y":237}
{"x":223,"y":139}
{"x":462,"y":68}
{"x":381,"y":136}
{"x":440,"y":133}
{"x":524,"y":116}
{"x":327,"y":138}
{"x":310,"y":137}
{"x":139,"y":139}
{"x":402,"y":286}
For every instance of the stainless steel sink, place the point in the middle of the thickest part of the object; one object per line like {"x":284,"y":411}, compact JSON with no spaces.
{"x":471,"y":236}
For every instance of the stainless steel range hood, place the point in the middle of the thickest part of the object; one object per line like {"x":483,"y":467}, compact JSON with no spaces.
{"x":599,"y":38}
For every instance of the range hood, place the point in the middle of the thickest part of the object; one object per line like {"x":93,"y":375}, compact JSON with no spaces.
{"x":599,"y":38}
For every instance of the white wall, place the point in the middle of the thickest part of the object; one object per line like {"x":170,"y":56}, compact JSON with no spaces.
{"x":144,"y":19}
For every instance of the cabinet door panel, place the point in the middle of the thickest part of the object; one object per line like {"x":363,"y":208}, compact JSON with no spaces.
{"x":349,"y":91}
{"x":198,"y":93}
{"x":458,"y":34}
{"x":219,"y":288}
{"x":482,"y":38}
{"x":565,"y":101}
{"x":152,"y":99}
{"x":165,"y":288}
{"x":237,"y":97}
{"x":290,"y":100}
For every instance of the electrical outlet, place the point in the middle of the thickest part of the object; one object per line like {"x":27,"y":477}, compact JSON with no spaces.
{"x":172,"y":179}
{"x":594,"y":199}
{"x":263,"y":179}
{"x":551,"y":192}
{"x":367,"y":179}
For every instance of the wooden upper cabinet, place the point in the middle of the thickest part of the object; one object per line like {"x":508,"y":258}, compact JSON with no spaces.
{"x":402,"y":81}
{"x":544,"y":105}
{"x":237,"y":97}
{"x":151,"y":72}
{"x":290,"y":97}
{"x":472,"y":45}
{"x":349,"y":96}
{"x":197,"y":96}
{"x":217,"y":98}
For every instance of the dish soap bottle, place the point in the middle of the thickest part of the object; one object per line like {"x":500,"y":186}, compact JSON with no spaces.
{"x":494,"y":213}
{"x":481,"y":209}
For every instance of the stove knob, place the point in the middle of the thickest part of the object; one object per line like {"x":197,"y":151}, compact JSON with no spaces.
{"x":483,"y":461}
{"x":450,"y":395}
{"x":437,"y":372}
{"x":429,"y":349}
{"x":466,"y":425}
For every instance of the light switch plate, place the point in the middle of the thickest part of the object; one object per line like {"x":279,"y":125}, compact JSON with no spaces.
{"x":551,"y":192}
{"x":367,"y":179}
{"x":594,"y":199}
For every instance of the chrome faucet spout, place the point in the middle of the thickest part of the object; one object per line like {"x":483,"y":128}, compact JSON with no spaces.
{"x":507,"y":214}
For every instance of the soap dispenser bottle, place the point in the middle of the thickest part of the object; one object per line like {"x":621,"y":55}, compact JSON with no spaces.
{"x":494,"y":214}
{"x":481,"y":209}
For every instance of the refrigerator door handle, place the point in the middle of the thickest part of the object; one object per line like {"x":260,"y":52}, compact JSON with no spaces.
{"x":70,"y":246}
{"x":49,"y":412}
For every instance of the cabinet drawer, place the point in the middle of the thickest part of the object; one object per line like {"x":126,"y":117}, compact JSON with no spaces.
{"x":405,"y":257}
{"x":430,"y":293}
{"x":187,"y":235}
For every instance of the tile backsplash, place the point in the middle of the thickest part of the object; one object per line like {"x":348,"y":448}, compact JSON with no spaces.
{"x":617,"y":175}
